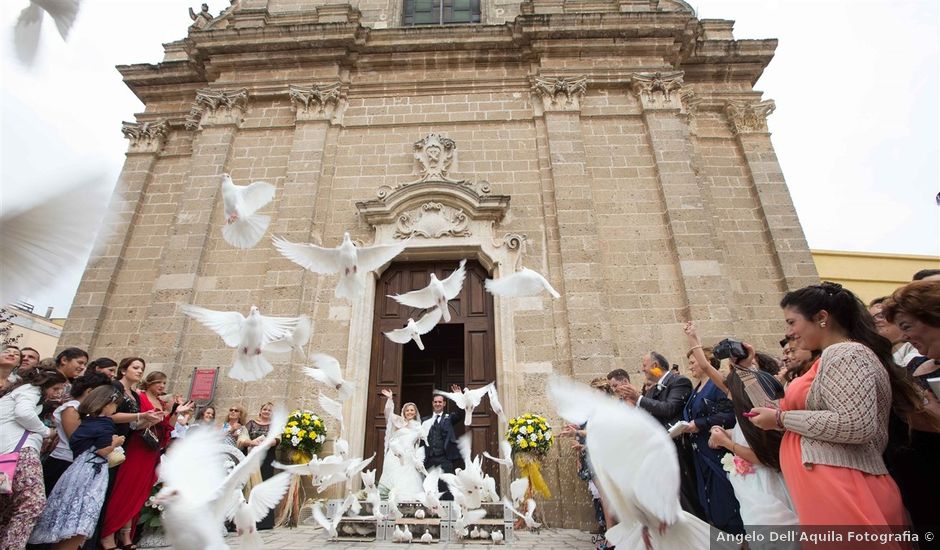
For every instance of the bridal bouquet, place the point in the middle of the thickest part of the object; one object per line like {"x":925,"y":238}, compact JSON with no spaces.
{"x":304,"y":433}
{"x":531,"y":438}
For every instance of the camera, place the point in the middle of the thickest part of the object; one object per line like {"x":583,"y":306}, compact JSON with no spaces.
{"x":729,"y":347}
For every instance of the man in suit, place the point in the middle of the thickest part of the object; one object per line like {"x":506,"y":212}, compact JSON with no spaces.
{"x":667,"y":394}
{"x":441,"y":449}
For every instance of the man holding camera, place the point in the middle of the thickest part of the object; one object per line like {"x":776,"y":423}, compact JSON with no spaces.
{"x":667,"y":394}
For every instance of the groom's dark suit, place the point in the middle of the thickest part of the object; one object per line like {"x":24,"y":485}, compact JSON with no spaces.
{"x":441,"y":449}
{"x":665,"y":401}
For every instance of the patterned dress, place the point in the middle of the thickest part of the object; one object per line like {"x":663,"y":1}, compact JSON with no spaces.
{"x":75,"y":503}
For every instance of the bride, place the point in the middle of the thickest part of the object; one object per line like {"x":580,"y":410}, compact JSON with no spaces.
{"x":403,"y":457}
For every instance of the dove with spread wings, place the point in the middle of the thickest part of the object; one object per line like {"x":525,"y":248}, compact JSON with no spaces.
{"x":415,"y":330}
{"x":250,"y":336}
{"x":243,"y":226}
{"x":437,"y":293}
{"x":351,"y":262}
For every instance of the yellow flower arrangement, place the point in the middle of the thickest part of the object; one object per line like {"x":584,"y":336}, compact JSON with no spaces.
{"x":304,"y":432}
{"x":530,"y":433}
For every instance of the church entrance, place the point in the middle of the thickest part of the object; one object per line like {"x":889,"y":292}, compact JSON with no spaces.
{"x":461,"y":352}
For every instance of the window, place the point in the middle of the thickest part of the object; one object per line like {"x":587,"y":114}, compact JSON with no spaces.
{"x":440,"y":12}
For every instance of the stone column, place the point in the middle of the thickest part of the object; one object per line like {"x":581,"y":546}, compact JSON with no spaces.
{"x":215,"y":117}
{"x":749,"y":124}
{"x":89,"y":307}
{"x":690,"y":224}
{"x":591,"y":342}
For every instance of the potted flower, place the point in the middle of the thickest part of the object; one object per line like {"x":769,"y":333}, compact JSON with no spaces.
{"x":302,"y":438}
{"x":531,"y":438}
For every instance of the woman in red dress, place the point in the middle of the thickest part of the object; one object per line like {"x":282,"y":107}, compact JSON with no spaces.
{"x":138,"y":473}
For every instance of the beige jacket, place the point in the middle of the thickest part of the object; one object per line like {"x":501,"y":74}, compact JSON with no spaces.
{"x":846,"y":418}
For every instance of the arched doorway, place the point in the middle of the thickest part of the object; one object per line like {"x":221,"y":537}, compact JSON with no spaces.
{"x":461,"y":352}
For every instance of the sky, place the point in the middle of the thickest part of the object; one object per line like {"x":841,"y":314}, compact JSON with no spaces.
{"x":856,"y":130}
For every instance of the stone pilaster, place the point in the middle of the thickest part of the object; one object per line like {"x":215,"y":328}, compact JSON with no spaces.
{"x":687,"y":216}
{"x":215,"y":117}
{"x":748,"y":122}
{"x":592,"y":347}
{"x":89,"y":307}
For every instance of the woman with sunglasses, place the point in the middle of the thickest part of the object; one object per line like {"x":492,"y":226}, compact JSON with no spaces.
{"x":234,"y":425}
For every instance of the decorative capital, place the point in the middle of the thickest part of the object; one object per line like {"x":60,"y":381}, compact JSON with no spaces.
{"x":560,"y":93}
{"x":316,"y":102}
{"x":749,"y":118}
{"x":658,"y":90}
{"x":435,"y":155}
{"x":217,"y":107}
{"x":145,"y":137}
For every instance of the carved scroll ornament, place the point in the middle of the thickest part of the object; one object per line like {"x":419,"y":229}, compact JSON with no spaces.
{"x":432,"y":220}
{"x":657,"y":89}
{"x":211,"y":102}
{"x":552,"y":90}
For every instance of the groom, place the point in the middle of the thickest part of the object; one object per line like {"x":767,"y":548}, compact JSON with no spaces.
{"x":441,"y":449}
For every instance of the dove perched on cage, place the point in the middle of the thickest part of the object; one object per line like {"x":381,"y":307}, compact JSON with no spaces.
{"x":243,"y":226}
{"x":635,"y":466}
{"x":250,"y":336}
{"x":294,"y":339}
{"x":327,"y":371}
{"x":414,"y":330}
{"x":397,"y":534}
{"x":524,"y":282}
{"x":437,"y":293}
{"x":29,"y":24}
{"x":407,"y":535}
{"x":468,"y":400}
{"x":351,"y":262}
{"x":496,"y":536}
{"x":426,"y":538}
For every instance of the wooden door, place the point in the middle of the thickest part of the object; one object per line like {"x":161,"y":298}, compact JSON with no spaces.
{"x":462,"y":352}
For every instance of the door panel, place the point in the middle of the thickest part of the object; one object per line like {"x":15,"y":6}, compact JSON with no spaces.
{"x":442,"y":363}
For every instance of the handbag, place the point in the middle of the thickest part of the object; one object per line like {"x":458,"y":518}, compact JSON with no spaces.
{"x":8,"y":466}
{"x":150,"y":437}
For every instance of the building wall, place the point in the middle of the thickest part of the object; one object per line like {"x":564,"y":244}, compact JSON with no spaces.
{"x":645,"y":202}
{"x":35,"y":331}
{"x":868,"y":274}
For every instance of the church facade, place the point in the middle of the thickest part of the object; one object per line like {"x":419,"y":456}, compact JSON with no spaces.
{"x":617,"y":147}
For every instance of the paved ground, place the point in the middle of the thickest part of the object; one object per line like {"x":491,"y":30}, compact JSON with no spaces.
{"x":305,"y":538}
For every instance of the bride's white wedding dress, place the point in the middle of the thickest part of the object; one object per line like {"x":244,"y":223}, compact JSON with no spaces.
{"x":401,"y":473}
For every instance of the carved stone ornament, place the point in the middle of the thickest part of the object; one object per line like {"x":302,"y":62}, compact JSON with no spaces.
{"x":145,"y":137}
{"x":200,"y":19}
{"x":564,"y":93}
{"x":222,"y":106}
{"x":316,"y":101}
{"x":432,"y":220}
{"x":657,"y":90}
{"x":747,"y":117}
{"x":435,"y":155}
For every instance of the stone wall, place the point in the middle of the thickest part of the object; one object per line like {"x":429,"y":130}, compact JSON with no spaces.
{"x":627,"y":135}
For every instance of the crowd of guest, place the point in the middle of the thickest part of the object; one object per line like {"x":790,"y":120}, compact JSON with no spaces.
{"x":842,"y":428}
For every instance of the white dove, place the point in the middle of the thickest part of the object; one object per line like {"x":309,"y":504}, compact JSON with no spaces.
{"x":316,"y":467}
{"x":243,"y":227}
{"x":326,"y":370}
{"x":350,"y":261}
{"x":29,"y":23}
{"x":263,"y":497}
{"x":494,"y":402}
{"x":329,"y":525}
{"x":414,"y":330}
{"x":352,"y":504}
{"x":489,"y":489}
{"x":397,"y":534}
{"x":426,"y":538}
{"x":332,"y":408}
{"x":249,"y":335}
{"x":464,"y":518}
{"x":406,"y":535}
{"x":420,"y":513}
{"x":475,"y":532}
{"x":35,"y":244}
{"x":431,"y":497}
{"x":352,"y":467}
{"x":505,"y":455}
{"x":468,"y":400}
{"x":206,"y":492}
{"x":528,"y":516}
{"x":467,"y":482}
{"x":375,"y":502}
{"x":496,"y":536}
{"x":368,"y":479}
{"x":393,"y":510}
{"x":294,"y":339}
{"x":437,"y":293}
{"x":518,"y":488}
{"x":635,"y":467}
{"x":524,"y":282}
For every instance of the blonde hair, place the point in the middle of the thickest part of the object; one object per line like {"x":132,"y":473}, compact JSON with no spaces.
{"x":410,"y":404}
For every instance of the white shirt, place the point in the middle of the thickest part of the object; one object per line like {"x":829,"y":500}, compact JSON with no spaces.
{"x":904,"y":354}
{"x":62,"y":450}
{"x":19,"y":410}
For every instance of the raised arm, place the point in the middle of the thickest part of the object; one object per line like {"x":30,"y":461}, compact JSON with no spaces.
{"x":695,"y":343}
